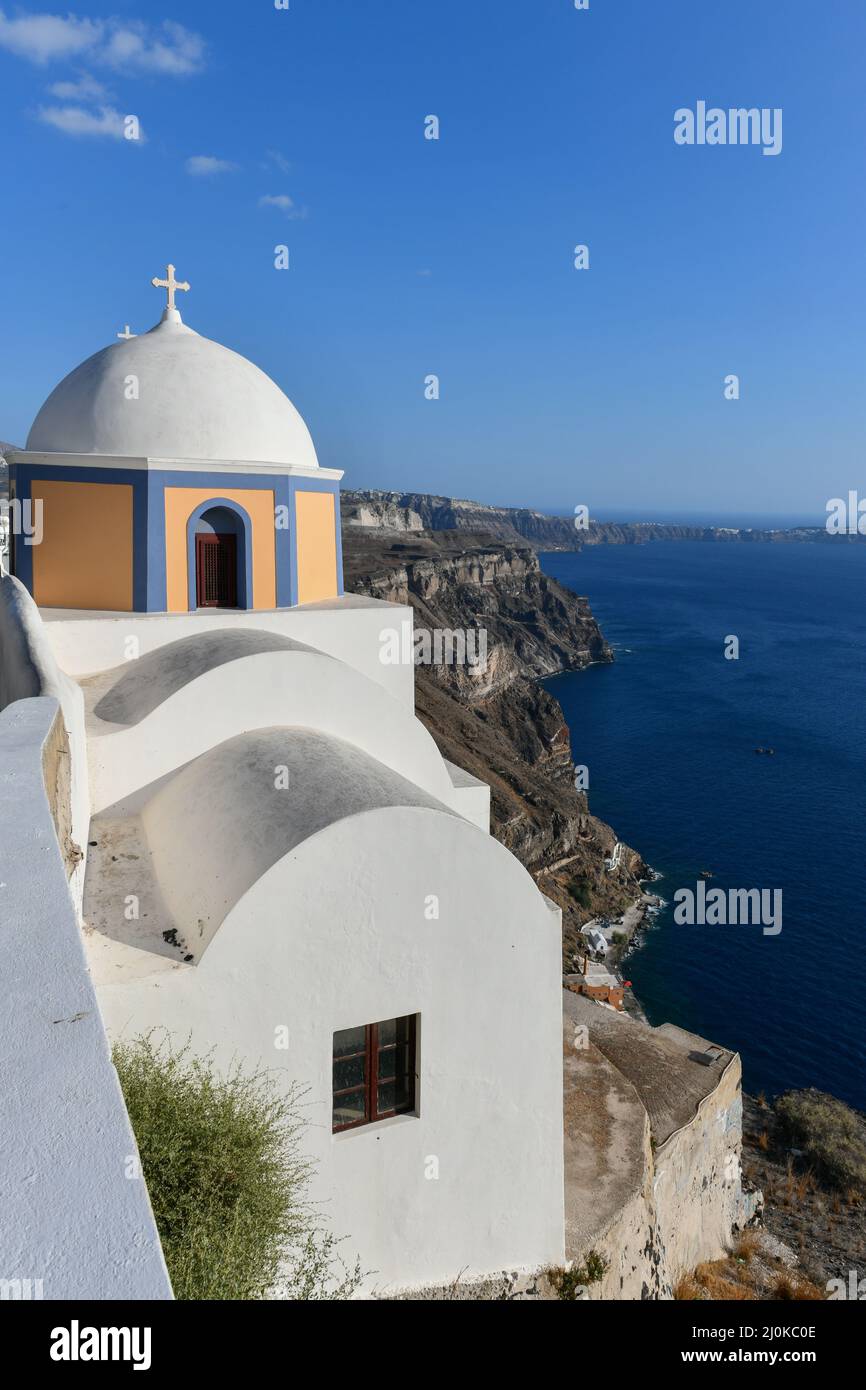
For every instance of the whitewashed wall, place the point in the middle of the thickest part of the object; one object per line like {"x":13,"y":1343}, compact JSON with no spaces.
{"x":73,"y":1225}
{"x":28,"y":668}
{"x":335,"y":935}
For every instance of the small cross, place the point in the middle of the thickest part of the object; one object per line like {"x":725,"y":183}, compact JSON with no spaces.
{"x":126,"y":333}
{"x":170,"y":284}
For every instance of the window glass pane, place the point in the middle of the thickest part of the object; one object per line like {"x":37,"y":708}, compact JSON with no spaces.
{"x":393,"y":1030}
{"x":387,"y":1032}
{"x":393,"y":1095}
{"x":393,"y":1061}
{"x":349,"y":1071}
{"x":349,"y":1109}
{"x":349,"y":1040}
{"x":386,"y":1097}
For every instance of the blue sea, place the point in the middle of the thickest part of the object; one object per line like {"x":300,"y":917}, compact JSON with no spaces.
{"x":668,"y":734}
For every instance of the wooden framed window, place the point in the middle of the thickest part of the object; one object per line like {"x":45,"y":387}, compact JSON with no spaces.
{"x":373,"y":1072}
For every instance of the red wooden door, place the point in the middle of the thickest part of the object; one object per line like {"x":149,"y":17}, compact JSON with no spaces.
{"x":216,"y":571}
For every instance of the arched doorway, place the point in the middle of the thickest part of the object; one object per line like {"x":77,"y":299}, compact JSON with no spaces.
{"x":220,"y":561}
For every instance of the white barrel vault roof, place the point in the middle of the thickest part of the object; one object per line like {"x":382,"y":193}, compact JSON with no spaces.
{"x":237,"y":810}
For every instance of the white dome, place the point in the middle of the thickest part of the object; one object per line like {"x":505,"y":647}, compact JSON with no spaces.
{"x":196,"y":400}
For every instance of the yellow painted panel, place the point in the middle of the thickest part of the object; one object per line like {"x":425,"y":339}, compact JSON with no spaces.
{"x":85,"y":557}
{"x":316,"y":540}
{"x":258,"y":503}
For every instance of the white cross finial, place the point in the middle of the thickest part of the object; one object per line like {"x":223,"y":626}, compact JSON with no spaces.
{"x":126,"y":333}
{"x":170,"y":284}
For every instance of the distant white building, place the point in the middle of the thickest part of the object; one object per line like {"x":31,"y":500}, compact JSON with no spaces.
{"x":595,"y":939}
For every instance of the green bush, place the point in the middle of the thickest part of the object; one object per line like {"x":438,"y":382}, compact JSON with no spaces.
{"x":831,"y":1135}
{"x":568,"y":1284}
{"x":227,"y":1180}
{"x":581,"y":893}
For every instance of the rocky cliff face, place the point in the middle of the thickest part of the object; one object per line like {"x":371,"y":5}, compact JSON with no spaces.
{"x":498,"y":722}
{"x":534,"y":626}
{"x":413,"y":511}
{"x":379,"y":512}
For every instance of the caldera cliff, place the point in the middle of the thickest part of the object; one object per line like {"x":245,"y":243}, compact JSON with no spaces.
{"x":498,"y":722}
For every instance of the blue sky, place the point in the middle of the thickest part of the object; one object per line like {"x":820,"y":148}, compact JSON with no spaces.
{"x":455,"y":257}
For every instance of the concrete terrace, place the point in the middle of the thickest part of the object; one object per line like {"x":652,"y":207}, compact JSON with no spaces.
{"x":605,"y":1132}
{"x":671,"y":1071}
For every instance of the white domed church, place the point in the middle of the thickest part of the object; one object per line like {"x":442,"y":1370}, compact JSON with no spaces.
{"x":173,"y":474}
{"x":271,"y":857}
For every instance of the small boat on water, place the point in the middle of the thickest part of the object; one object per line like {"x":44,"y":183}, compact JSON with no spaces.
{"x":706,"y":873}
{"x":770,"y":751}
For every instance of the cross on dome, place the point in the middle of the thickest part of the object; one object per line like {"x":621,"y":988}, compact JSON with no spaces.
{"x":170,"y":285}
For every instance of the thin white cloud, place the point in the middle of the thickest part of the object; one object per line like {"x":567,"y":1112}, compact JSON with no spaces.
{"x":85,"y":89}
{"x":204,"y":165}
{"x":170,"y":49}
{"x":284,"y":203}
{"x":75,"y":120}
{"x":43,"y":38}
{"x":279,"y":160}
{"x":129,"y":46}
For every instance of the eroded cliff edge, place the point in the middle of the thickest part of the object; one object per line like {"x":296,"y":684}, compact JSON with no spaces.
{"x":418,"y":511}
{"x":498,"y":722}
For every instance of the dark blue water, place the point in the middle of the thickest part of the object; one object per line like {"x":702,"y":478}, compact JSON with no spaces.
{"x":668,"y":734}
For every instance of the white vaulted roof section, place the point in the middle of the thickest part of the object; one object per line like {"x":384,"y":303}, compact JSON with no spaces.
{"x":241,"y":808}
{"x":148,"y":718}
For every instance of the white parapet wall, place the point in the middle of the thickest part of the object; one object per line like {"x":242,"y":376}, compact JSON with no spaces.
{"x":76,"y":1220}
{"x":29,"y":668}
